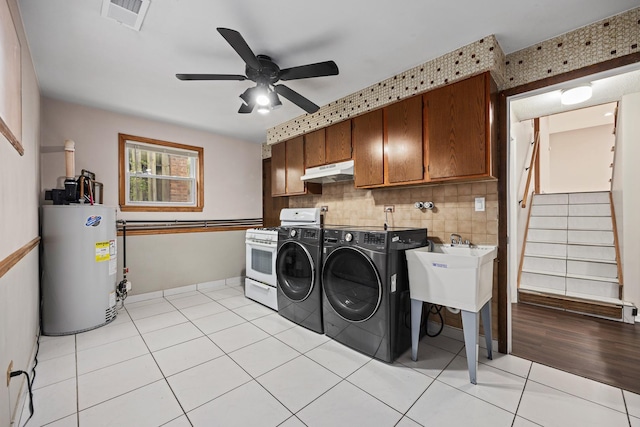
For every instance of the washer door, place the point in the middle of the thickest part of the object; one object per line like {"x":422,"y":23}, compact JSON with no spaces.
{"x":351,"y":284}
{"x":295,"y":271}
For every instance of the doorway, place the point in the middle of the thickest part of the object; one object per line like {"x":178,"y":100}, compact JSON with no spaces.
{"x":552,"y":337}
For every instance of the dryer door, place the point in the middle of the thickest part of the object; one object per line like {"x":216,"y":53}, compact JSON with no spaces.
{"x":351,"y":284}
{"x":295,"y":271}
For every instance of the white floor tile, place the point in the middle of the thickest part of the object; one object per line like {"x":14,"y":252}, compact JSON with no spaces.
{"x":52,"y":403}
{"x":253,"y":311}
{"x":293,"y":422}
{"x":578,"y":386}
{"x":51,"y":371}
{"x":633,"y":403}
{"x":431,"y":360}
{"x":122,"y":317}
{"x":235,"y":302}
{"x":106,"y":383}
{"x":247,"y":405}
{"x":160,"y":321}
{"x":70,"y":421}
{"x":396,"y":385}
{"x":202,"y":383}
{"x":506,"y":362}
{"x":105,"y":335}
{"x":143,"y":303}
{"x":203,"y":310}
{"x":298,"y":382}
{"x":407,"y":422}
{"x":191,"y":301}
{"x":207,"y":286}
{"x":302,"y":339}
{"x":450,"y":344}
{"x":186,"y":355}
{"x":151,"y":405}
{"x":273,"y":323}
{"x":53,"y":347}
{"x":218,"y":294}
{"x":522,"y":422}
{"x":634,"y":422}
{"x":445,"y":405}
{"x":338,"y":358}
{"x":143,"y":297}
{"x":263,"y":356}
{"x":172,"y":335}
{"x":347,"y":405}
{"x":182,"y":421}
{"x":563,"y":409}
{"x":239,"y":336}
{"x":110,"y":354}
{"x":149,"y":310}
{"x":493,"y":385}
{"x":218,"y":322}
{"x":178,"y":295}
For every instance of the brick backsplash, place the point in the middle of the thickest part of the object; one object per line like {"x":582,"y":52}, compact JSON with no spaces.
{"x":453,"y":213}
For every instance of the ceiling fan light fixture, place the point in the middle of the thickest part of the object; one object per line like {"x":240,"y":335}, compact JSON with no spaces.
{"x":263,"y":109}
{"x":576,"y":95}
{"x":274,"y":100}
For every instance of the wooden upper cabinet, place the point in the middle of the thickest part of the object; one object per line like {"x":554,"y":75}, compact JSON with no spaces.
{"x":403,"y":141}
{"x":456,"y":129}
{"x":295,"y":165}
{"x":278,"y":169}
{"x":338,"y":142}
{"x":314,"y":148}
{"x":368,"y":145}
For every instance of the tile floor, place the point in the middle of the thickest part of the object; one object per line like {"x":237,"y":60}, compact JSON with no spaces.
{"x":214,"y":358}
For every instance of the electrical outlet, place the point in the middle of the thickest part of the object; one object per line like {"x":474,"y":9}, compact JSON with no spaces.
{"x":324,"y":209}
{"x":9,"y":370}
{"x":389,"y":208}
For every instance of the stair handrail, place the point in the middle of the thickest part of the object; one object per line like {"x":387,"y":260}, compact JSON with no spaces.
{"x":536,"y":145}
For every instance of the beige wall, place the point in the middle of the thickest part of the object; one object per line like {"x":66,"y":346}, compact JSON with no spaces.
{"x":627,"y":204}
{"x":232,"y":168}
{"x":19,"y":186}
{"x":580,"y":159}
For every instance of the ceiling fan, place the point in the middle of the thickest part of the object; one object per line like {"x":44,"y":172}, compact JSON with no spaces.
{"x":265,"y":73}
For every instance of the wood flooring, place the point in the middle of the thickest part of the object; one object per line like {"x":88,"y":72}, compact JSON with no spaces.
{"x":602,"y":350}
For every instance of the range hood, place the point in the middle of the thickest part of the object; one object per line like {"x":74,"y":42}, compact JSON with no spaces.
{"x":334,"y":172}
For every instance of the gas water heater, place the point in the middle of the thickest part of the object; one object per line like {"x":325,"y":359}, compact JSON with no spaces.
{"x":79,"y":263}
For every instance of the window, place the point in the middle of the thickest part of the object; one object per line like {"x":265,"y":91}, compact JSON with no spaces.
{"x":160,"y":176}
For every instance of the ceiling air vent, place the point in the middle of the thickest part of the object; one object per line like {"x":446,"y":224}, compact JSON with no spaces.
{"x":129,"y":13}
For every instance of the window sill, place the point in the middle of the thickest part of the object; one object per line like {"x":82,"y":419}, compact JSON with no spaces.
{"x":126,"y":208}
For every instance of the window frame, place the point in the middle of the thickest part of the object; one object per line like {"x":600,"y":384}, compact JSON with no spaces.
{"x":198,"y":206}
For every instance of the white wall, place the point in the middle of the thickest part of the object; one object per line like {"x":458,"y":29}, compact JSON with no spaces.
{"x":232,"y":168}
{"x":544,"y":155}
{"x":19,"y":186}
{"x":579,"y":159}
{"x":626,"y":197}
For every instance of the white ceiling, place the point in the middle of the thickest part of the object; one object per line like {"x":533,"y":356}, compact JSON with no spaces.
{"x":84,"y":58}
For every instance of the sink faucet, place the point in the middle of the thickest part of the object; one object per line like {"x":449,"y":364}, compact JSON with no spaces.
{"x":453,"y":239}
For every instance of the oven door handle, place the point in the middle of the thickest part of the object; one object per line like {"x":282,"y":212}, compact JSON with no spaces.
{"x":263,"y":245}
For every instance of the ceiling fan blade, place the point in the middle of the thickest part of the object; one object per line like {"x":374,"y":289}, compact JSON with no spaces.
{"x":241,"y":47}
{"x":320,"y":69}
{"x":296,"y":98}
{"x":246,"y":108}
{"x":211,"y":77}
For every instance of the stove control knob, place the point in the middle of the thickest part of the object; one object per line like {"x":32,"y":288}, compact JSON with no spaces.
{"x":293,"y":233}
{"x":348,"y":237}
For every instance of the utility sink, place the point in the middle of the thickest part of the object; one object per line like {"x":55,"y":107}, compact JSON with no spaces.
{"x":457,"y":276}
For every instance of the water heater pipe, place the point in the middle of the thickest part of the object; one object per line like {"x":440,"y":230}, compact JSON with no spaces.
{"x":69,"y":158}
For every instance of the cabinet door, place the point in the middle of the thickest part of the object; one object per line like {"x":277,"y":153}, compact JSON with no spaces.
{"x":278,"y":170}
{"x":455,"y":127}
{"x":338,"y":142}
{"x":314,"y":143}
{"x":403,"y":139}
{"x":295,"y":165}
{"x":368,"y":144}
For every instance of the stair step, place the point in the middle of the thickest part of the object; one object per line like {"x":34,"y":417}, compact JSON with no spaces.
{"x":525,"y":287}
{"x":602,"y":223}
{"x":549,"y":210}
{"x":547,"y":236}
{"x":590,"y":210}
{"x":548,"y":222}
{"x":582,"y":237}
{"x":532,"y":279}
{"x":548,"y":265}
{"x":587,"y":253}
{"x":589,"y":198}
{"x":550,"y":199}
{"x":555,"y":250}
{"x":612,"y":309}
{"x":592,"y":269}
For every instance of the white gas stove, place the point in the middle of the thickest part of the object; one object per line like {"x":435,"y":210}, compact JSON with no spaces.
{"x":262,"y":245}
